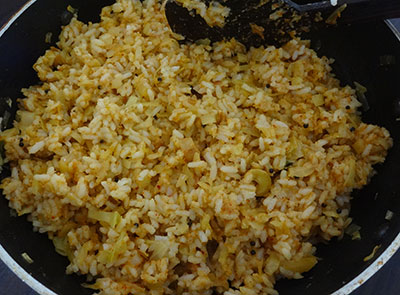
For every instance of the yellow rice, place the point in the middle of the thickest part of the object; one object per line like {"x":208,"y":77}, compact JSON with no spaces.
{"x":214,"y":14}
{"x":134,"y":153}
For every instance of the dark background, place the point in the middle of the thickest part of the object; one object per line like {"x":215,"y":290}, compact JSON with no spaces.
{"x":386,"y":281}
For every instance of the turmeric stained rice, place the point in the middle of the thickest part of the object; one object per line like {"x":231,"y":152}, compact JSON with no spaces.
{"x":166,"y":168}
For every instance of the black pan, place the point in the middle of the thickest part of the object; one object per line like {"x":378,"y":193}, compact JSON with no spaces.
{"x":359,"y":51}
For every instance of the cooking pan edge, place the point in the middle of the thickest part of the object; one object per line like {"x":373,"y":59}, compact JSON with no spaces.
{"x":345,"y":290}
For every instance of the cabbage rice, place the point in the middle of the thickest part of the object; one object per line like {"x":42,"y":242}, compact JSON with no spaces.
{"x":165,"y":168}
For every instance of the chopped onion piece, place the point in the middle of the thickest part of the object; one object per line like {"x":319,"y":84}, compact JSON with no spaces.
{"x":302,"y":265}
{"x":48,"y":37}
{"x":389,"y":215}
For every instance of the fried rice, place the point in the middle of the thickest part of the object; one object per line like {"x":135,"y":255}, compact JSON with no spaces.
{"x":165,"y":168}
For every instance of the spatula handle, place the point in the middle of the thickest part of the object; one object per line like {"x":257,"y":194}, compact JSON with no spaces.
{"x":320,"y":5}
{"x":370,"y":11}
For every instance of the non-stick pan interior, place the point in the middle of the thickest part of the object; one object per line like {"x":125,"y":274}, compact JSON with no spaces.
{"x":359,"y":52}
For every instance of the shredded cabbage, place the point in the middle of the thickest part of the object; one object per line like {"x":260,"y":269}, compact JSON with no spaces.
{"x":111,"y":255}
{"x":318,"y":100}
{"x":350,"y":177}
{"x":353,"y":230}
{"x":360,"y":91}
{"x":26,"y":118}
{"x":159,"y":248}
{"x":295,"y":150}
{"x":356,"y":236}
{"x":111,"y":218}
{"x":27,"y":258}
{"x":132,"y":102}
{"x":61,"y":245}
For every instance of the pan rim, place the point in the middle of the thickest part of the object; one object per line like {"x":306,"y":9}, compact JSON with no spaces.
{"x":41,"y":289}
{"x":15,"y":16}
{"x":370,"y":270}
{"x":23,"y":274}
{"x":393,"y":28}
{"x":393,"y":247}
{"x":9,"y":261}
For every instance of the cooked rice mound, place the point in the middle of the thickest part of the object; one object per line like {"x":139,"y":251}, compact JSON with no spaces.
{"x":185,"y":169}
